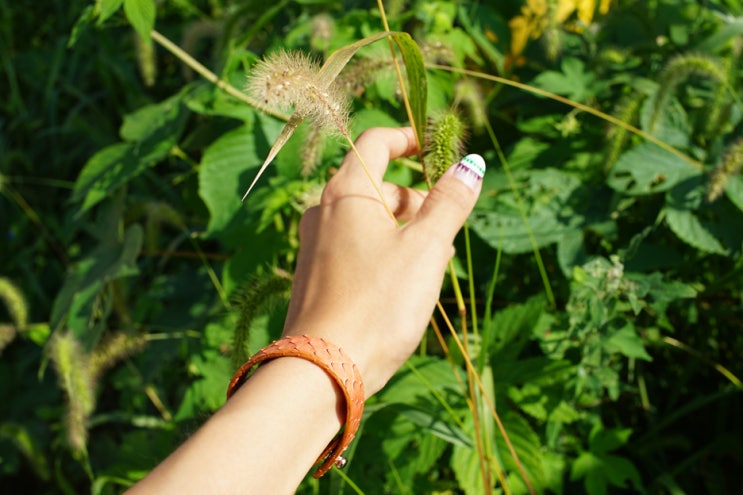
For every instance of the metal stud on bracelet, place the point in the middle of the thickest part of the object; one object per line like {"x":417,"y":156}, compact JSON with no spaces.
{"x":338,"y":365}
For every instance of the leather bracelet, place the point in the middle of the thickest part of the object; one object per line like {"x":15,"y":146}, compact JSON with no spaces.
{"x":338,"y":366}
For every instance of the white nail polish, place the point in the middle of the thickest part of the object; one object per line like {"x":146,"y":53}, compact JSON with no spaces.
{"x":470,"y":170}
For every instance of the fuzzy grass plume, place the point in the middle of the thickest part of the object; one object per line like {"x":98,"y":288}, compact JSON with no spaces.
{"x":729,"y":166}
{"x":79,"y":372}
{"x":71,"y":363}
{"x":258,"y":296}
{"x":627,"y":111}
{"x":13,"y":299}
{"x":288,"y":80}
{"x":681,"y":68}
{"x":469,"y":95}
{"x":17,"y":308}
{"x":376,"y":63}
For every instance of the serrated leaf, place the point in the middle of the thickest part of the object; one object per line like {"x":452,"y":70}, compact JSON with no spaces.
{"x":545,"y":196}
{"x":648,"y":169}
{"x":141,"y":15}
{"x":688,"y":228}
{"x":628,"y":343}
{"x":574,"y":81}
{"x":206,"y":392}
{"x":529,"y":449}
{"x":511,"y":328}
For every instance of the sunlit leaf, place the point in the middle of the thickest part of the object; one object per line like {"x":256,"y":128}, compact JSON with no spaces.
{"x":648,"y":169}
{"x":141,"y":15}
{"x":224,"y":164}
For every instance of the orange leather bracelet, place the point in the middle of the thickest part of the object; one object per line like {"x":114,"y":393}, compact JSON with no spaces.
{"x":337,"y":365}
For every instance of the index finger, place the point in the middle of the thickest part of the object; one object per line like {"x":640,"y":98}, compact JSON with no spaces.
{"x":376,"y":146}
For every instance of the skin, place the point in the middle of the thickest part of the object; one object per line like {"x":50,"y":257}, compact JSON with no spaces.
{"x":363,"y":282}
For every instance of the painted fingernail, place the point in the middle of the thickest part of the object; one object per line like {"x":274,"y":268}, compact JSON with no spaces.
{"x":470,"y":170}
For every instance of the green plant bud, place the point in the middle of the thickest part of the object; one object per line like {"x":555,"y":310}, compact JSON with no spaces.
{"x":445,"y":143}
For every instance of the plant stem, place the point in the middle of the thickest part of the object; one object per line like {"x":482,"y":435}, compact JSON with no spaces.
{"x":371,"y":177}
{"x":210,"y":76}
{"x":524,"y":217}
{"x":574,"y":104}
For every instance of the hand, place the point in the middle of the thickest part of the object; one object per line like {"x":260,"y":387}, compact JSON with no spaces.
{"x":362,"y":281}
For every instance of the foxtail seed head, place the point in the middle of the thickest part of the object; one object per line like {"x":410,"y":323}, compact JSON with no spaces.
{"x":445,"y":143}
{"x":286,"y":80}
{"x":729,"y":166}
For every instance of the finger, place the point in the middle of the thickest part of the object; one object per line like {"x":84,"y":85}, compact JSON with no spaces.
{"x":403,"y":201}
{"x":376,"y":147}
{"x":450,"y":201}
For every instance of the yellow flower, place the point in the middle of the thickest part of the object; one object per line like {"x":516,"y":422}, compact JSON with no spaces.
{"x":536,"y":15}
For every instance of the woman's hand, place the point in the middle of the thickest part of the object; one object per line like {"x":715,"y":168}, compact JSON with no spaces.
{"x":362,"y":281}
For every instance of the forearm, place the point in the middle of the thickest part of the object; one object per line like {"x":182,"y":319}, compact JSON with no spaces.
{"x":265,"y":439}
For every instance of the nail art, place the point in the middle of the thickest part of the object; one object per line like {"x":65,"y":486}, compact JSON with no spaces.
{"x":470,"y":169}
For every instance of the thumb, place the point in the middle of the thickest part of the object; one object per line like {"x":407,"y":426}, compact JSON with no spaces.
{"x":450,"y":201}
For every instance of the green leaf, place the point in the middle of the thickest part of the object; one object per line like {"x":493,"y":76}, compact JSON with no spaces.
{"x":114,"y":257}
{"x":687,"y":226}
{"x":223,"y":168}
{"x":511,"y":328}
{"x":574,"y":81}
{"x":150,"y":134}
{"x":417,"y":83}
{"x":545,"y":196}
{"x":627,"y":342}
{"x":156,"y":122}
{"x":28,"y":446}
{"x":107,"y":8}
{"x":734,"y":191}
{"x":528,"y":447}
{"x":648,"y":169}
{"x":141,"y":15}
{"x":206,"y":393}
{"x":432,"y":422}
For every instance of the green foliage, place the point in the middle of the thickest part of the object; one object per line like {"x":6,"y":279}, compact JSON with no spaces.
{"x":603,"y":259}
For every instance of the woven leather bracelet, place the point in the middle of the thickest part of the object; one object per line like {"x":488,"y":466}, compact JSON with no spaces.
{"x":337,"y":365}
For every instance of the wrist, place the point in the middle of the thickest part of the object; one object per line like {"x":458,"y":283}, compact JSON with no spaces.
{"x":337,"y":365}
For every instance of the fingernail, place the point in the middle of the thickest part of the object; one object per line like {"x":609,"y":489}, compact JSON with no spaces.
{"x":470,"y":170}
